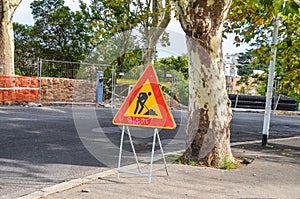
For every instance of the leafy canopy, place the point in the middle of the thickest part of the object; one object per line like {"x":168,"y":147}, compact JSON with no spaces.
{"x":252,"y":22}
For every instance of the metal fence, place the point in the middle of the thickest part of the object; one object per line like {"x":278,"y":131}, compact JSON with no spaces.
{"x":116,"y":84}
{"x":21,"y":88}
{"x":259,"y":102}
{"x":172,"y":83}
{"x":72,"y":82}
{"x":71,"y":70}
{"x":28,"y":68}
{"x":75,"y":82}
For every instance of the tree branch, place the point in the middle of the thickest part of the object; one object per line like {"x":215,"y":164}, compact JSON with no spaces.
{"x":14,"y":4}
{"x":182,"y":11}
{"x":167,"y":15}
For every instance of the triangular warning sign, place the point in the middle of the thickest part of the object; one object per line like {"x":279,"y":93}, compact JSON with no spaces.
{"x":145,"y":105}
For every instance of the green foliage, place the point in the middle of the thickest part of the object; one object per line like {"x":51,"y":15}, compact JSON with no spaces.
{"x":178,"y":68}
{"x":181,"y":160}
{"x":227,"y":164}
{"x":261,"y":82}
{"x":113,"y":23}
{"x":192,"y":163}
{"x":284,"y":154}
{"x":174,"y":158}
{"x":26,"y":50}
{"x":244,"y":64}
{"x":102,"y":32}
{"x":19,"y":71}
{"x":57,"y":34}
{"x":289,"y":57}
{"x":62,"y":33}
{"x":179,"y":64}
{"x":253,"y":21}
{"x":108,"y":18}
{"x":125,"y":19}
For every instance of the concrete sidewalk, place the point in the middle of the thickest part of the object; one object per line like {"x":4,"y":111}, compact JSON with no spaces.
{"x":274,"y":173}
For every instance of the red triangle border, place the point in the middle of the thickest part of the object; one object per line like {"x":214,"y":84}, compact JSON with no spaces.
{"x":166,"y":122}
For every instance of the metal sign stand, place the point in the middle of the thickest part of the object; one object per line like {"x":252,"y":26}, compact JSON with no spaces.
{"x":139,"y":173}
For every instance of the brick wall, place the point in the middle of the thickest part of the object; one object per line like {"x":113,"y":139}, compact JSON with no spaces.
{"x":18,"y":89}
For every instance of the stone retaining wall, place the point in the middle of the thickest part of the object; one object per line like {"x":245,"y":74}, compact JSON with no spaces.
{"x":68,"y":90}
{"x":19,"y":89}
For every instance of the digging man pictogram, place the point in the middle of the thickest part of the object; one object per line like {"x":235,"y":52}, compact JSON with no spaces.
{"x":140,"y":104}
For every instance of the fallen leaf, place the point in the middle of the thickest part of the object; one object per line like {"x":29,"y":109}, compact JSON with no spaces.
{"x":284,"y":154}
{"x":85,"y":190}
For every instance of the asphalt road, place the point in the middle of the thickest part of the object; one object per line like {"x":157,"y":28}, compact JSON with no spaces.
{"x":40,"y":147}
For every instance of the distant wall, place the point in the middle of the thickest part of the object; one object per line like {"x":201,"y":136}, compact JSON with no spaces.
{"x":18,"y":89}
{"x":68,"y":90}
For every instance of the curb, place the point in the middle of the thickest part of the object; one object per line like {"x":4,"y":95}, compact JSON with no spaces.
{"x":290,"y":113}
{"x":276,"y":112}
{"x":67,"y":185}
{"x":42,"y":193}
{"x":259,"y":141}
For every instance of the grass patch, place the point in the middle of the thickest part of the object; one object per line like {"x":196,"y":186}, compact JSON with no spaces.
{"x":173,"y":158}
{"x":181,"y":160}
{"x":226,"y":164}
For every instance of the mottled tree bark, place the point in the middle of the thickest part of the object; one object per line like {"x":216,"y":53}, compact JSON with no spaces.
{"x":209,"y":115}
{"x":7,"y":9}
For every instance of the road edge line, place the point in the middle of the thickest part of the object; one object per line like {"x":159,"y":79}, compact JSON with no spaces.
{"x":259,"y":141}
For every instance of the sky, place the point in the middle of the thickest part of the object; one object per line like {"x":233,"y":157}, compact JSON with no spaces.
{"x":23,"y":15}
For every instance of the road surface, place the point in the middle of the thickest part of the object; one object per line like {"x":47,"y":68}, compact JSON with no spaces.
{"x":40,"y":147}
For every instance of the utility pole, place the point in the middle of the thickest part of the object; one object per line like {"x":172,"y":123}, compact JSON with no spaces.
{"x":267,"y":116}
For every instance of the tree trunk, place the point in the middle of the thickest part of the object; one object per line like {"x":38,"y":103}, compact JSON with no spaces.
{"x":148,"y":53}
{"x":161,"y":16}
{"x":209,"y":115}
{"x":6,"y":48}
{"x":7,"y":9}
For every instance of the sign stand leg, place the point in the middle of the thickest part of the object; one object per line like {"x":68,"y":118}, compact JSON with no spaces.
{"x":162,"y":152}
{"x":132,"y":146}
{"x":155,"y":135}
{"x":120,"y":152}
{"x":152,"y":155}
